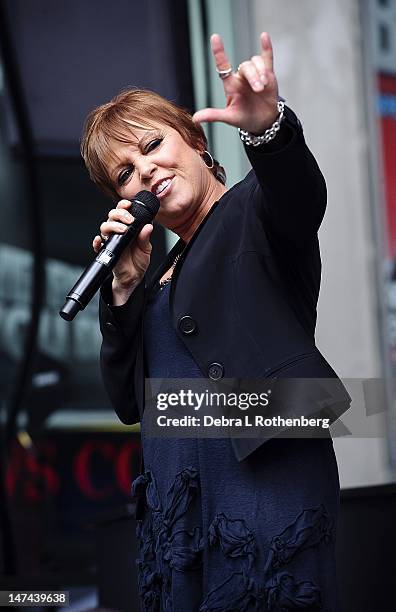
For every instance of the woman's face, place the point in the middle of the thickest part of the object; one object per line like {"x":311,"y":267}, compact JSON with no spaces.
{"x":160,"y":161}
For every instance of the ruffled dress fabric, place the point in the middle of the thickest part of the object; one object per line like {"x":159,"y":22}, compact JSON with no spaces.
{"x":220,"y":535}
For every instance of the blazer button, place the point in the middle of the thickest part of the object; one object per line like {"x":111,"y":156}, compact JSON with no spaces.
{"x":111,"y":326}
{"x":216,"y":371}
{"x":187,"y":325}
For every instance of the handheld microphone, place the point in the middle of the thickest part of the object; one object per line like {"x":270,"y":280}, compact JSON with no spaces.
{"x":144,"y":207}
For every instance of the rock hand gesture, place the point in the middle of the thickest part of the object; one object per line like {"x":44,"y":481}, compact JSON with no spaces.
{"x":251,"y":92}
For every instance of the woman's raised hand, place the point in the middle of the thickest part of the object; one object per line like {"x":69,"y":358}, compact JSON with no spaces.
{"x":251,"y":92}
{"x":134,"y":261}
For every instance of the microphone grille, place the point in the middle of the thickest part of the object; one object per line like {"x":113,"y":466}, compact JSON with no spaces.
{"x":150,"y":201}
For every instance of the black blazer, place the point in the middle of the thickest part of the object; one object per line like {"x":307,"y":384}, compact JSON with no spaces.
{"x":244,"y":292}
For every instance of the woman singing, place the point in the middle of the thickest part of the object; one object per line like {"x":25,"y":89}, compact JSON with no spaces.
{"x":223,"y":524}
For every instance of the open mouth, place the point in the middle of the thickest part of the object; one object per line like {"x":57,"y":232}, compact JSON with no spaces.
{"x":163,"y":188}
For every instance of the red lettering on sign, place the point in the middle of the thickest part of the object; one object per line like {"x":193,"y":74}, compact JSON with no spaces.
{"x":123,"y":467}
{"x":29,"y":469}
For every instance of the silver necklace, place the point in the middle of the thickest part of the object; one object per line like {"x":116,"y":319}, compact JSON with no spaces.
{"x":168,"y":280}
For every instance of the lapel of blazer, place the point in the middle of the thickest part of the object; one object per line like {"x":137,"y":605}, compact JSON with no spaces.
{"x":176,"y":249}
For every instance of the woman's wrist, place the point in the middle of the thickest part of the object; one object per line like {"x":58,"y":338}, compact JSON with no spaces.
{"x":268,"y":133}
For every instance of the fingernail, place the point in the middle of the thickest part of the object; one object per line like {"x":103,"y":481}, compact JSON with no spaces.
{"x":263,"y":79}
{"x":127,"y":215}
{"x":258,"y":85}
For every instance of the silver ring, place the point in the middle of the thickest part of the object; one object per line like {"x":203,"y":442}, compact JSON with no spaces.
{"x":224,"y":74}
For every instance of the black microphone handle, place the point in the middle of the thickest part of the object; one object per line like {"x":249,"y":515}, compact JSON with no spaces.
{"x":95,"y":275}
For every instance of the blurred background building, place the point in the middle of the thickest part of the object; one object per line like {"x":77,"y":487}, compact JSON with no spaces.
{"x":67,"y":462}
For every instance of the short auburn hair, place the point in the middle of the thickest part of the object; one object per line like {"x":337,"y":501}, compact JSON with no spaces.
{"x":115,"y":121}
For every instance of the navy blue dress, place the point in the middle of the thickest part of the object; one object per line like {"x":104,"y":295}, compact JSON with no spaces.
{"x":220,"y":535}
